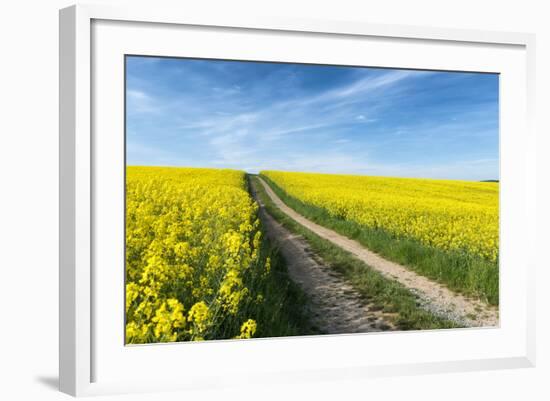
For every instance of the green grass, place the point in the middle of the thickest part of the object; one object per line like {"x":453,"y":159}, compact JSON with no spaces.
{"x":282,"y":311}
{"x":380,"y":292}
{"x":461,"y":272}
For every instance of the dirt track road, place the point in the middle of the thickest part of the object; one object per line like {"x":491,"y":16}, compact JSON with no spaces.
{"x":435,"y":297}
{"x":335,"y":307}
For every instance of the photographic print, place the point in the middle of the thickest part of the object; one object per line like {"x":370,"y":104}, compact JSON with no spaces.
{"x":268,"y":199}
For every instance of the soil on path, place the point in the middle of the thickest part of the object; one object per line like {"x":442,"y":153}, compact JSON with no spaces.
{"x":434,"y":296}
{"x":334,"y":306}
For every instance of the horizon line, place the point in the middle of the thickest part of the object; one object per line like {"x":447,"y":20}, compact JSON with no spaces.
{"x":488,"y":180}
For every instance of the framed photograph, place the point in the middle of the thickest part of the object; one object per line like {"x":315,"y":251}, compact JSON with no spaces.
{"x":275,"y":200}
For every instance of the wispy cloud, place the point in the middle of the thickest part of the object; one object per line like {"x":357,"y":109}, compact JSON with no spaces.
{"x":140,"y":102}
{"x":369,"y":83}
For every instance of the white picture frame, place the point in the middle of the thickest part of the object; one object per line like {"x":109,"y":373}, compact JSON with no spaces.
{"x":82,"y":160}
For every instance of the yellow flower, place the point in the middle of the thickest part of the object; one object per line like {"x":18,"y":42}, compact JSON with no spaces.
{"x":248,"y":329}
{"x":199,"y":315}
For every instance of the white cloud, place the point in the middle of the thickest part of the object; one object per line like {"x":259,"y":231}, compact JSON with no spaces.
{"x":369,"y":83}
{"x":358,"y":88}
{"x":140,"y":102}
{"x":144,"y":154}
{"x":341,"y":141}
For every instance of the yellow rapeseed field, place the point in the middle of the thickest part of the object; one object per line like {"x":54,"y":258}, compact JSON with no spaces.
{"x":450,"y":215}
{"x":191,"y":237}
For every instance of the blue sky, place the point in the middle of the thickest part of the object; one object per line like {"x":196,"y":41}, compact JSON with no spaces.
{"x":257,"y":116}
